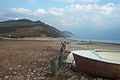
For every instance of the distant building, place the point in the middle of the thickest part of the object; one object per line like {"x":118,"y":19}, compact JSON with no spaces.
{"x":9,"y":35}
{"x":42,"y":35}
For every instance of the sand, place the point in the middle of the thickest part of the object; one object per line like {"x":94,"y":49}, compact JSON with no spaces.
{"x":31,"y":59}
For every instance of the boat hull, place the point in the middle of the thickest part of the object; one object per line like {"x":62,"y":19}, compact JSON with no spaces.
{"x":96,"y":67}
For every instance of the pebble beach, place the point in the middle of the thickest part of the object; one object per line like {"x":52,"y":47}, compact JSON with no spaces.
{"x":29,"y":58}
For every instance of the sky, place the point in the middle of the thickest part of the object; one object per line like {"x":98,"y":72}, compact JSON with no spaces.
{"x":87,"y":19}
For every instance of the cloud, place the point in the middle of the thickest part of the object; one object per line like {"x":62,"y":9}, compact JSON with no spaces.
{"x":74,"y":15}
{"x":21,"y":11}
{"x":40,"y":11}
{"x":56,"y":11}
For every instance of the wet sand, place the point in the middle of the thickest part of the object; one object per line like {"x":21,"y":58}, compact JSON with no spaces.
{"x":30,"y":60}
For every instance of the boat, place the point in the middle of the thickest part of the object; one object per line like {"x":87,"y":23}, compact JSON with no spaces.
{"x":104,"y":63}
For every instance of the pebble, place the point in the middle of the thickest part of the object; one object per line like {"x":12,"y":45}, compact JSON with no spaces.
{"x":6,"y":77}
{"x":20,"y":77}
{"x":31,"y":73}
{"x":10,"y":68}
{"x":38,"y":72}
{"x":35,"y":78}
{"x":14,"y":72}
{"x":34,"y":71}
{"x":42,"y":77}
{"x":19,"y":66}
{"x":73,"y":78}
{"x":29,"y":69}
{"x":28,"y":76}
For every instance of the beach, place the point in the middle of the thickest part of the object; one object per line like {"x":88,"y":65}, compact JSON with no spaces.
{"x":29,"y":58}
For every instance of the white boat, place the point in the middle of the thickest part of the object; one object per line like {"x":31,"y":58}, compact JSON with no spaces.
{"x":104,"y":63}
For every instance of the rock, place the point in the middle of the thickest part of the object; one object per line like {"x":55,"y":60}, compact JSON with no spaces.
{"x":41,"y":78}
{"x":35,"y":78}
{"x":28,"y":76}
{"x":82,"y":77}
{"x":10,"y":77}
{"x":31,"y":73}
{"x":14,"y":72}
{"x":34,"y":63}
{"x":73,"y":78}
{"x":38,"y":74}
{"x":15,"y":68}
{"x":10,"y":68}
{"x":19,"y":66}
{"x":34,"y":71}
{"x":20,"y":77}
{"x":6,"y":77}
{"x":27,"y":79}
{"x":29,"y":69}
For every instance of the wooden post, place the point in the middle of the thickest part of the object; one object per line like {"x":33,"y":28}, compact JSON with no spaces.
{"x":62,"y":50}
{"x":54,"y":67}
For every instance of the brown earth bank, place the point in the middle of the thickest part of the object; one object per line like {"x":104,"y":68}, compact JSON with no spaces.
{"x":30,"y":60}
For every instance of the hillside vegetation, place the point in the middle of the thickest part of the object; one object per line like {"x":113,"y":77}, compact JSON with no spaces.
{"x":28,"y":28}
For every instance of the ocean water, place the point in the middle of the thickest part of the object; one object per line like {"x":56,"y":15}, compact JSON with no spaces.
{"x":96,"y":40}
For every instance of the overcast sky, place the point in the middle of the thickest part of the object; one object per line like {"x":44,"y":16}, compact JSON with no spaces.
{"x":92,"y":19}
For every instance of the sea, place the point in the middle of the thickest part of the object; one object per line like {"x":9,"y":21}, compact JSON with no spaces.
{"x":97,"y":40}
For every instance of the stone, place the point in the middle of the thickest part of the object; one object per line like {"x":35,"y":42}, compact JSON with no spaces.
{"x":19,"y":66}
{"x":6,"y":77}
{"x":20,"y":77}
{"x":10,"y":68}
{"x":42,"y":78}
{"x":28,"y":76}
{"x":35,"y":78}
{"x":14,"y":72}
{"x":29,"y":69}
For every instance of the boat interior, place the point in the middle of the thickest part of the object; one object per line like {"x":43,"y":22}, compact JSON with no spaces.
{"x":113,"y":55}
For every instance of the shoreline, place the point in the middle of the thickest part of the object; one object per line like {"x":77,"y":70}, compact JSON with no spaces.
{"x":108,"y":43}
{"x":57,"y":40}
{"x":117,"y":42}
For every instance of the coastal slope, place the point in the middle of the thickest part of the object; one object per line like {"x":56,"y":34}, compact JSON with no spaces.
{"x":28,"y":28}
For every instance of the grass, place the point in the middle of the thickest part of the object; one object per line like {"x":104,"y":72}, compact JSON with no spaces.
{"x":17,"y":24}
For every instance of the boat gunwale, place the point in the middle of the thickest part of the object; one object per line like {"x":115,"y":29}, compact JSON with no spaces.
{"x":105,"y":50}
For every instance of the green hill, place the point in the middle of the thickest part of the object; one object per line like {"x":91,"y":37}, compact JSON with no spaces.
{"x":28,"y":28}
